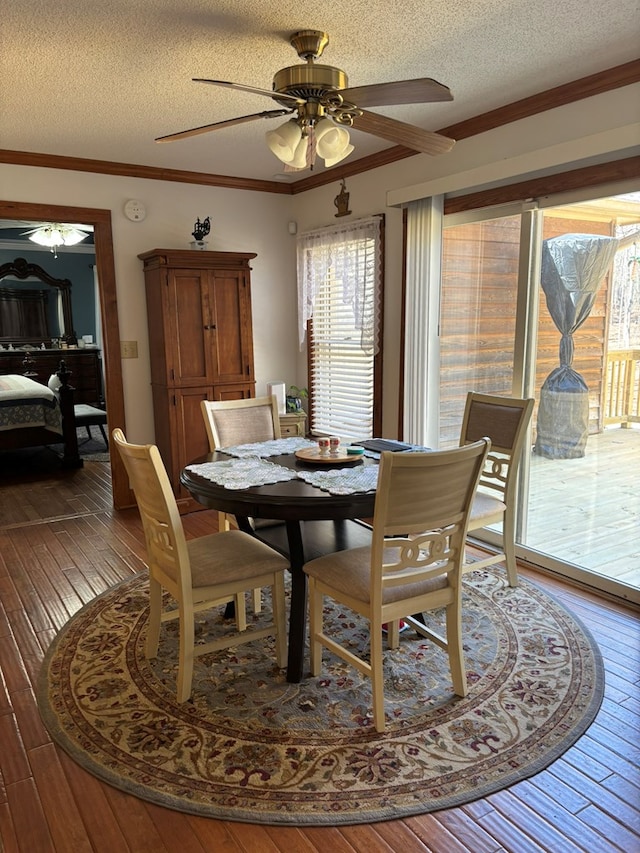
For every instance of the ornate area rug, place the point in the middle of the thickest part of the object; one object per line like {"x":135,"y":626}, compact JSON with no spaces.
{"x":249,"y":746}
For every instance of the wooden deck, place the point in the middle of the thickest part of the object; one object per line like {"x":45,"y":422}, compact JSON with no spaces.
{"x":587,"y":511}
{"x":61,"y":544}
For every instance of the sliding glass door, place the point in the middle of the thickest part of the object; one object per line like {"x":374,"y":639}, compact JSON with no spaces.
{"x":546,"y":303}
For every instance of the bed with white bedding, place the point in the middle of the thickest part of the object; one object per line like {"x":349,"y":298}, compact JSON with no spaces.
{"x":31,"y":415}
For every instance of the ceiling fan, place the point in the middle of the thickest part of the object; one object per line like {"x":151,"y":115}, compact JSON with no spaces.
{"x":55,"y":234}
{"x":323,"y":106}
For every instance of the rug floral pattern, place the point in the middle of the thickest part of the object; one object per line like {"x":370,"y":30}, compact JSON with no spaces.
{"x":250,"y":746}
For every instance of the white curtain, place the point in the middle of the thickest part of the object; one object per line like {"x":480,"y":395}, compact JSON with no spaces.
{"x":422,"y":321}
{"x":350,"y":251}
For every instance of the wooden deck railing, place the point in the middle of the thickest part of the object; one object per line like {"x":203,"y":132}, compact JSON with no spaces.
{"x":622,"y":389}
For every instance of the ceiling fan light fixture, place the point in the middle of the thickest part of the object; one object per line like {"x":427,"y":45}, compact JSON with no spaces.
{"x":333,"y":143}
{"x":53,"y":236}
{"x":284,"y":140}
{"x":331,"y":161}
{"x":300,"y":156}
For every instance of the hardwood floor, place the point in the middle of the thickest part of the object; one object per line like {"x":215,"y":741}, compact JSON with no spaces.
{"x":61,"y":544}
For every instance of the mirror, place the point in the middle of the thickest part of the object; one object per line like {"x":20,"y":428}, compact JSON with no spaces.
{"x":34,"y":306}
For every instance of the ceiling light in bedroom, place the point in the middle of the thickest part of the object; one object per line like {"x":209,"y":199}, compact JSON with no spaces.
{"x":54,"y":235}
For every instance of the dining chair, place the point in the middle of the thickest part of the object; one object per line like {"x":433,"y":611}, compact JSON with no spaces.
{"x":230,"y":422}
{"x":414,"y":563}
{"x":505,"y":420}
{"x":199,"y":573}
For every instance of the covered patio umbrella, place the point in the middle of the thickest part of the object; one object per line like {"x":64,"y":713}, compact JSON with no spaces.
{"x":573,"y":266}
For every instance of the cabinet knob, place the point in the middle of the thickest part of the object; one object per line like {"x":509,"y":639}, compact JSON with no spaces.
{"x":210,"y":327}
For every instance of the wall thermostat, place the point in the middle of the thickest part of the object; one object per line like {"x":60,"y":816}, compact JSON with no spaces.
{"x":135,"y":210}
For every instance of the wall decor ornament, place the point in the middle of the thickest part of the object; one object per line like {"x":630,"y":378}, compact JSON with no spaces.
{"x":200,"y":231}
{"x":341,"y":201}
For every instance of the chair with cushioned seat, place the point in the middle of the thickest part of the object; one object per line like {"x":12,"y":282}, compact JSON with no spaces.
{"x":414,"y":563}
{"x":230,"y":422}
{"x":200,"y":573}
{"x":505,"y":420}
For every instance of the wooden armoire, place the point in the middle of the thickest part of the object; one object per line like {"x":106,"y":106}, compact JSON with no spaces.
{"x":200,"y":345}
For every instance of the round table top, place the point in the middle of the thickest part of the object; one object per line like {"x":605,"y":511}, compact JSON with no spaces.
{"x":291,"y":500}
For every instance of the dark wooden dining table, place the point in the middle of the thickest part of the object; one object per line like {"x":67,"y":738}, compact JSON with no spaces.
{"x":315,"y":523}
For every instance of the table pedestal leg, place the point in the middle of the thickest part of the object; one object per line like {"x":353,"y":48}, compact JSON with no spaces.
{"x":298,"y":612}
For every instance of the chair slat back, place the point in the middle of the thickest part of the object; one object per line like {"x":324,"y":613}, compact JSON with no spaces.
{"x":164,"y":535}
{"x":424,"y":500}
{"x":231,"y":422}
{"x":505,"y":421}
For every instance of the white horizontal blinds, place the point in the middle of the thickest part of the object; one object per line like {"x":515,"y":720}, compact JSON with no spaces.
{"x":341,"y":371}
{"x":339,"y":287}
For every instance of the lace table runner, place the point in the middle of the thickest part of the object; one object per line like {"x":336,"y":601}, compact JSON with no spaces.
{"x":343,"y":481}
{"x":243,"y":473}
{"x":247,"y":471}
{"x":275,"y":447}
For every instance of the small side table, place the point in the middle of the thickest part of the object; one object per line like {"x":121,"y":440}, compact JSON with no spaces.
{"x":293,"y":423}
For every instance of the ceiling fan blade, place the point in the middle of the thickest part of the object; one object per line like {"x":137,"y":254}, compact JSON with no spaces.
{"x":242,"y":88}
{"x":217,"y":125}
{"x":425,"y":141}
{"x":423,"y":90}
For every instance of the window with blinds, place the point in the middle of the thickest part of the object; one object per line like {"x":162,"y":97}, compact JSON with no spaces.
{"x":342,"y":373}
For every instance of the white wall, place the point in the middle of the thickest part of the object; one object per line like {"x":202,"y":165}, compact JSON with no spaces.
{"x":595,"y":128}
{"x":241,"y":221}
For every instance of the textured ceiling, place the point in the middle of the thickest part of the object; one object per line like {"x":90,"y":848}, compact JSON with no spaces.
{"x":101,"y":80}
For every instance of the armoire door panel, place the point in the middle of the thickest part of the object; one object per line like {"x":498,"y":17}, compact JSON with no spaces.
{"x":233,"y":351}
{"x":191,"y":360}
{"x":192,"y":434}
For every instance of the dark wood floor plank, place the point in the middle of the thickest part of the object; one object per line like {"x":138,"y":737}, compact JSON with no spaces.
{"x":89,"y":794}
{"x":290,"y":838}
{"x":8,"y":839}
{"x":12,"y":665}
{"x":464,"y":829}
{"x":135,"y":824}
{"x":421,"y":836}
{"x":64,"y":821}
{"x":29,"y":721}
{"x":365,"y":838}
{"x":30,"y":824}
{"x":541,"y":799}
{"x":612,"y":805}
{"x":171,"y":825}
{"x":214,"y":835}
{"x":252,"y":838}
{"x":327,"y":838}
{"x":14,"y":764}
{"x":540,"y":824}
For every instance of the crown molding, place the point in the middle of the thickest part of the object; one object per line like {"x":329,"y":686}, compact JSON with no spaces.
{"x":576,"y":90}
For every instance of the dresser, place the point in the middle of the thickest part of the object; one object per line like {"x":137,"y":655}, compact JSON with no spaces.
{"x":85,"y":366}
{"x":293,"y":423}
{"x":200,"y":346}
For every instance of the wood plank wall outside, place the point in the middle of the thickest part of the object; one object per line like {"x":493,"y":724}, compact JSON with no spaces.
{"x":482,"y":259}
